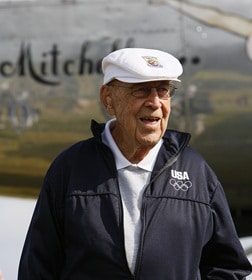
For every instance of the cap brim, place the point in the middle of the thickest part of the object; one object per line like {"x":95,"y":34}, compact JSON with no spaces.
{"x":134,"y":80}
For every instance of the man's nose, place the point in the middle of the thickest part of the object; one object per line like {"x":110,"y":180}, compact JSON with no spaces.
{"x":153,"y":98}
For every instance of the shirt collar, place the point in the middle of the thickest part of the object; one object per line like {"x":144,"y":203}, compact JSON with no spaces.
{"x":121,"y":162}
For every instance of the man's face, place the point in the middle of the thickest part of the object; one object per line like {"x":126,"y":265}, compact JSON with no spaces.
{"x":141,"y":121}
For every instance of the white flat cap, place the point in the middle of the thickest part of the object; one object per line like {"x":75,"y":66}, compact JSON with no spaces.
{"x":137,"y":65}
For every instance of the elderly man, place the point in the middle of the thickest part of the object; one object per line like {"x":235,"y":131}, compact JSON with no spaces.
{"x":134,"y":201}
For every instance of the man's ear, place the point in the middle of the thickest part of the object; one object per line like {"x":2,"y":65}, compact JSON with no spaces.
{"x":106,"y":99}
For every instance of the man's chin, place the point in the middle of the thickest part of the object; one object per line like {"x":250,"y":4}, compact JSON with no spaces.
{"x":149,"y":141}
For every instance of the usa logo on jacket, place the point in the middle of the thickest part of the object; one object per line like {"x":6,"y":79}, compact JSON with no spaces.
{"x":180,"y":180}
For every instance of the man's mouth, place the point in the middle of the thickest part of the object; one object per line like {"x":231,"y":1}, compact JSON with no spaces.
{"x":150,"y":119}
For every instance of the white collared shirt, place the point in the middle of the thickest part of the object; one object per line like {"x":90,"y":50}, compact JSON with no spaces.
{"x":133,"y":179}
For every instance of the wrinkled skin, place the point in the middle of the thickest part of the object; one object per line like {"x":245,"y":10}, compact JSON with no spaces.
{"x":140,"y":122}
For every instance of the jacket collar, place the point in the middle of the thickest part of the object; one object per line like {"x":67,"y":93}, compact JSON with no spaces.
{"x":174,"y":140}
{"x":146,"y":163}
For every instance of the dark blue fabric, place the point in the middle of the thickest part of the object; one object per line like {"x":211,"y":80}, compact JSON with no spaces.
{"x":77,"y":229}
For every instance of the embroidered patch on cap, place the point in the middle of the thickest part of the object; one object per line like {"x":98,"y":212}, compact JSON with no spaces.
{"x":152,"y":61}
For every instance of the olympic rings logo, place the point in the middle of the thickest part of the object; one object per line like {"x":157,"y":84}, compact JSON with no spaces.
{"x":180,"y":185}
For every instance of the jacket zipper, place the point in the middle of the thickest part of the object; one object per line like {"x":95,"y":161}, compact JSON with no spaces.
{"x":121,"y":222}
{"x":142,"y":215}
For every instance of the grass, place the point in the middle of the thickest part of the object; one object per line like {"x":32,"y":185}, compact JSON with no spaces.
{"x":226,"y":143}
{"x":25,"y":156}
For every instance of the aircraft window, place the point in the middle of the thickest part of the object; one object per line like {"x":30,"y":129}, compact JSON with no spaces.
{"x":195,"y":60}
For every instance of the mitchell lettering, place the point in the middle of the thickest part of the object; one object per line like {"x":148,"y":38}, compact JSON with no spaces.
{"x":50,"y":68}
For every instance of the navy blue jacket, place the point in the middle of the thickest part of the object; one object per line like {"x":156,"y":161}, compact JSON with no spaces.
{"x":76,"y":232}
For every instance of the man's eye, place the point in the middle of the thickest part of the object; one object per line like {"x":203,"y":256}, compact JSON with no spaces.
{"x":162,"y":89}
{"x":142,"y":89}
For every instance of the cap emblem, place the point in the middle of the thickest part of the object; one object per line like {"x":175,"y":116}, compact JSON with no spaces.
{"x":152,"y":61}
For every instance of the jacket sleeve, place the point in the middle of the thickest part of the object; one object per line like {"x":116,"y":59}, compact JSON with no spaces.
{"x":42,"y":255}
{"x":223,"y":256}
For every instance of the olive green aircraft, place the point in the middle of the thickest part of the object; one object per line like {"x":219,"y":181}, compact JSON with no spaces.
{"x":50,"y":74}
